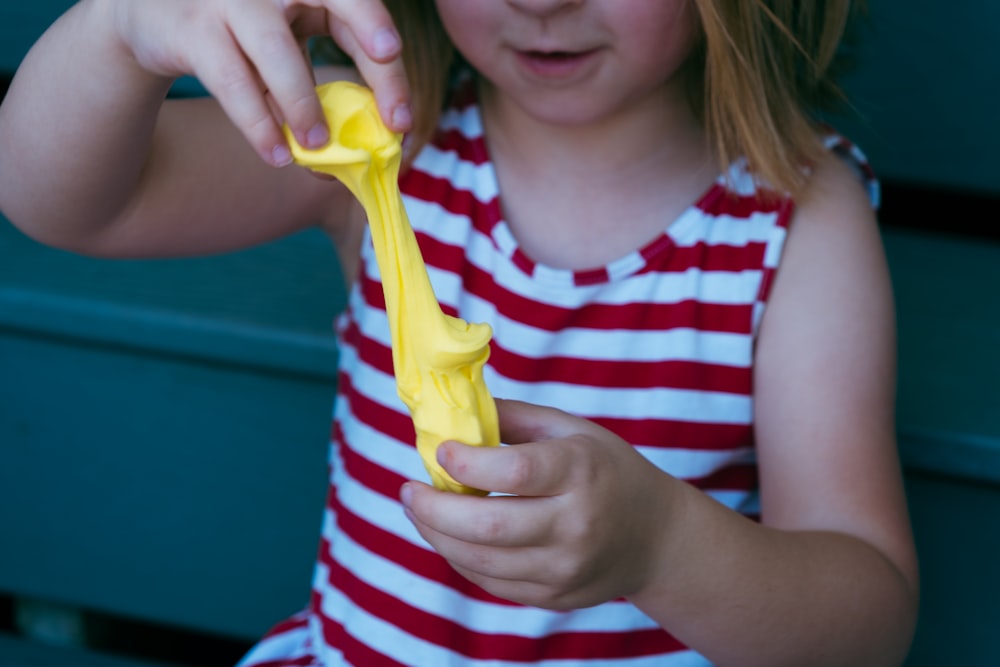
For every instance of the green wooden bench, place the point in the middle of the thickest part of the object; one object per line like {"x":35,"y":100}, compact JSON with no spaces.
{"x":163,"y":430}
{"x":949,"y":432}
{"x":163,"y":424}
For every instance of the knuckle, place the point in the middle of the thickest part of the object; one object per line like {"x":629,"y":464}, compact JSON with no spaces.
{"x":232,"y":79}
{"x":521,"y":469}
{"x":490,"y":528}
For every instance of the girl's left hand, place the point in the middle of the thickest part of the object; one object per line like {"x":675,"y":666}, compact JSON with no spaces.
{"x":584,"y":522}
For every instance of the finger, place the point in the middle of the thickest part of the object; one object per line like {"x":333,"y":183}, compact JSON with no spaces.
{"x":529,"y":575}
{"x":371,"y":25}
{"x":498,"y":521}
{"x":268,"y":42}
{"x":537,"y":469}
{"x":385,"y":76}
{"x":234,"y":84}
{"x":525,"y":422}
{"x":533,"y":592}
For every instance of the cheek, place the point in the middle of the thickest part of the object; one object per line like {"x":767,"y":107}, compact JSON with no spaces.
{"x":661,"y":34}
{"x":463,"y":19}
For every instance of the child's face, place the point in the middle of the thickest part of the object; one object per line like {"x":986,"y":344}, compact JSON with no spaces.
{"x":573,"y":61}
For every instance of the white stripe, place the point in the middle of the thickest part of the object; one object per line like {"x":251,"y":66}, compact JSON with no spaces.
{"x":772,"y":257}
{"x":556,"y":288}
{"x":478,"y":615}
{"x":289,"y":644}
{"x":479,"y":179}
{"x":619,"y":403}
{"x":616,"y":345}
{"x":739,"y":179}
{"x":444,"y":226}
{"x":695,"y":463}
{"x":385,"y":452}
{"x":728,"y":349}
{"x":645,"y":403}
{"x":410,"y":650}
{"x":697,"y":226}
{"x":745,"y":502}
{"x":467,"y":121}
{"x":373,"y":508}
{"x":723,"y":348}
{"x":402,"y":458}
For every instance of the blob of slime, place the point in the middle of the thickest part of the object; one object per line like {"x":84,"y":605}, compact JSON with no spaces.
{"x":438,"y":359}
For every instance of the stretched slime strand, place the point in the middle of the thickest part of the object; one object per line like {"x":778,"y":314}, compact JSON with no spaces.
{"x":438,"y":359}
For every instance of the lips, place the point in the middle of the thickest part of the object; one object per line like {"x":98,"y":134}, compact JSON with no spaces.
{"x":555,"y":64}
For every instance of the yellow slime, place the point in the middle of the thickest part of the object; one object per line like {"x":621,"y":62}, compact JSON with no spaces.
{"x":438,"y":359}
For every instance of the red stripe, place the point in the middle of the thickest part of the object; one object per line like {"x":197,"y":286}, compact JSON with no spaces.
{"x":468,"y":149}
{"x":609,"y":373}
{"x":650,"y":431}
{"x":637,"y":315}
{"x":770,"y":271}
{"x":298,"y":622}
{"x":418,"y":560}
{"x":675,"y":373}
{"x":720,"y":201}
{"x":301,"y":661}
{"x":370,"y":475}
{"x":457,"y":201}
{"x":396,"y":425}
{"x":596,"y":276}
{"x":670,"y":434}
{"x":336,"y":635}
{"x":661,"y":254}
{"x":739,"y":477}
{"x":488,"y":646}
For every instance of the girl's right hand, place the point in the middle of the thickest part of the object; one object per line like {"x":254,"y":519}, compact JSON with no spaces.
{"x":249,"y":55}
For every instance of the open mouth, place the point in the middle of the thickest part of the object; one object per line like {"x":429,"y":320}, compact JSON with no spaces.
{"x":555,"y":56}
{"x":555,"y":63}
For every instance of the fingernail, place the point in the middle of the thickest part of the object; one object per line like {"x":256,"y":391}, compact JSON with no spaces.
{"x":406,"y":495}
{"x":385,"y":43}
{"x":441,"y":454}
{"x":281,"y":156}
{"x":401,"y":116}
{"x":318,"y":136}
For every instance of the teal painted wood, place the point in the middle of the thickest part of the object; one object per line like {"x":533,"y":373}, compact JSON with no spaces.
{"x":163,"y":430}
{"x":926,"y":92}
{"x":958,"y":539}
{"x":21,"y":23}
{"x":15,"y":652}
{"x":948,"y":308}
{"x":270,"y":306}
{"x":949,"y":432}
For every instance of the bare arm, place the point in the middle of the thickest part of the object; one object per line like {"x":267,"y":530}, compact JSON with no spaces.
{"x":829,"y":577}
{"x":104,"y":166}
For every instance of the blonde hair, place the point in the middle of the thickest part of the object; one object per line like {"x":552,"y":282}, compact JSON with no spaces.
{"x":768,"y":67}
{"x":759,"y":73}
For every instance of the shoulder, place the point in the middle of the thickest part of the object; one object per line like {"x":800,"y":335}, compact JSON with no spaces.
{"x":840,"y":183}
{"x":825,"y":358}
{"x":833,"y":261}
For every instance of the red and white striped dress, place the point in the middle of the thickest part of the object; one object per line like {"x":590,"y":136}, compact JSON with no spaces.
{"x":657,"y":346}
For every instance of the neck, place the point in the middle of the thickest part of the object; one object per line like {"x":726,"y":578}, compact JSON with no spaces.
{"x":658,"y":134}
{"x":568,"y":188}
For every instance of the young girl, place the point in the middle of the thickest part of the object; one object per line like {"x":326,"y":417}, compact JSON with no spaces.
{"x":702,"y":465}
